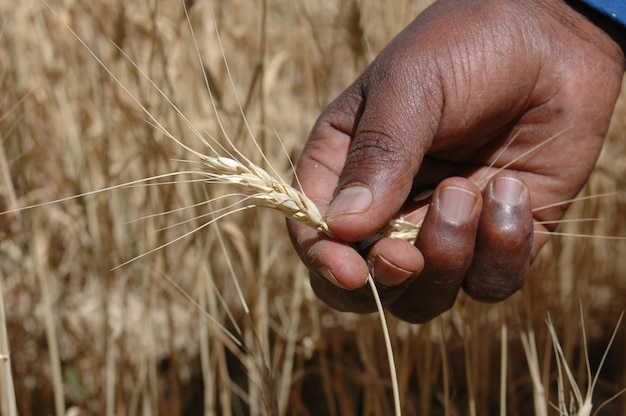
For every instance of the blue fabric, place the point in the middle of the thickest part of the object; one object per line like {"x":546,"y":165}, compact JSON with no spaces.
{"x":615,"y":9}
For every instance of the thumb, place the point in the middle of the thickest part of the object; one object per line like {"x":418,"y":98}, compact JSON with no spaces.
{"x":390,"y":139}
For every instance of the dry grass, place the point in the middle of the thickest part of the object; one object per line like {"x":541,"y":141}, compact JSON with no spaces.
{"x":223,"y":321}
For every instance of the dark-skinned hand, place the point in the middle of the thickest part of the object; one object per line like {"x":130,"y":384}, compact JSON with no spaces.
{"x":500,"y":107}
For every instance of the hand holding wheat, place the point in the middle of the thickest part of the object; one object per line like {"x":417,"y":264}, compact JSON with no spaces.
{"x":463,"y":91}
{"x":225,"y":297}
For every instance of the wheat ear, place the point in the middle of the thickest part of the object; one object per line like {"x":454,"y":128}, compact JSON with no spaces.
{"x":265,"y":190}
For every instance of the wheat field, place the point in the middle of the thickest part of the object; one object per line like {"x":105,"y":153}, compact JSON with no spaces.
{"x":114,"y":306}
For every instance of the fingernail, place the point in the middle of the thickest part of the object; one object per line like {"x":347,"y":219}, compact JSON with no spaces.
{"x":387,"y":273}
{"x":328,"y":275}
{"x":351,"y":200}
{"x":456,"y":203}
{"x":508,"y":190}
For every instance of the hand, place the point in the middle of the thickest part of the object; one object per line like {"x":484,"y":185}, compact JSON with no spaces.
{"x":464,"y":92}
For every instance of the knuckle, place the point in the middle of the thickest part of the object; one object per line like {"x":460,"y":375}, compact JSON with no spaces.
{"x":380,"y":160}
{"x":377,"y":147}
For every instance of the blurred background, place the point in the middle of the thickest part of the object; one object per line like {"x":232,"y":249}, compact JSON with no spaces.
{"x":223,"y":321}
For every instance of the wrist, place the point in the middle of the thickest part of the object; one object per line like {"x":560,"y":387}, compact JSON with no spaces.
{"x":607,"y":20}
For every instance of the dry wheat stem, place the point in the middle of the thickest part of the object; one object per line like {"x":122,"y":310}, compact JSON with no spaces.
{"x":580,"y":404}
{"x":234,"y":342}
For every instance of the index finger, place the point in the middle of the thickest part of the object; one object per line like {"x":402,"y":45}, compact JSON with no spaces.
{"x":324,"y":155}
{"x":317,"y":175}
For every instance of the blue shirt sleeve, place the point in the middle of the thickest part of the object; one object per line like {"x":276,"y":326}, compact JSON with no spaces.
{"x":615,"y":9}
